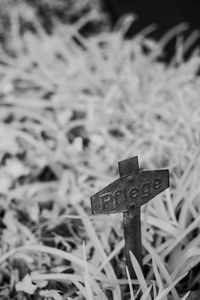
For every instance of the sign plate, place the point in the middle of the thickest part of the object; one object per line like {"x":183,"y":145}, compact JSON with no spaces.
{"x":132,"y":190}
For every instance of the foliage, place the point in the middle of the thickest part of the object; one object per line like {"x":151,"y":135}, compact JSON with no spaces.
{"x":71,"y":107}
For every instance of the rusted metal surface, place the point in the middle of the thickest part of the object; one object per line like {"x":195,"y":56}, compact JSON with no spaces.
{"x":127,"y":194}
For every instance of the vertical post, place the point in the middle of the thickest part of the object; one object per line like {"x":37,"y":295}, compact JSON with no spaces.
{"x":131,"y":220}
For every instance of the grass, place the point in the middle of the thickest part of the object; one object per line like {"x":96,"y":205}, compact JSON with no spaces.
{"x":71,"y":108}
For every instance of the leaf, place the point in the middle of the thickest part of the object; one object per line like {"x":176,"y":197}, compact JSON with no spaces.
{"x":169,"y":288}
{"x":146,"y":295}
{"x":186,"y":296}
{"x":138,"y":272}
{"x":86,"y":276}
{"x":15,"y":168}
{"x":10,"y":222}
{"x":157,"y":275}
{"x":130,"y":284}
{"x":8,"y":141}
{"x":26,"y":285}
{"x":51,"y":294}
{"x":5,"y":183}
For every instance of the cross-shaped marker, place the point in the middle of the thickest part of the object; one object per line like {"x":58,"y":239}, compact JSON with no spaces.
{"x":127,"y":194}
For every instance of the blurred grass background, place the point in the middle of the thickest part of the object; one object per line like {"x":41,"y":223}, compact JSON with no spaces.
{"x":75,"y":98}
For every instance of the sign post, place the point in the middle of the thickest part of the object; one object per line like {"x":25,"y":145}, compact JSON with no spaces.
{"x":131,"y":219}
{"x":127,"y":194}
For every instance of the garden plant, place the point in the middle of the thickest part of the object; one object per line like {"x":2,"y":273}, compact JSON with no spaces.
{"x":73,"y":104}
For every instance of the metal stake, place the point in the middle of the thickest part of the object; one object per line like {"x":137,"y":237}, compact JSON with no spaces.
{"x":131,"y":220}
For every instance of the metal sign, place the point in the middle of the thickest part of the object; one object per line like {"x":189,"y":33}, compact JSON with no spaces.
{"x":127,"y":194}
{"x":132,"y":190}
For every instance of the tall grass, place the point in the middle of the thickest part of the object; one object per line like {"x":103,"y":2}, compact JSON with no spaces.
{"x":71,"y":108}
